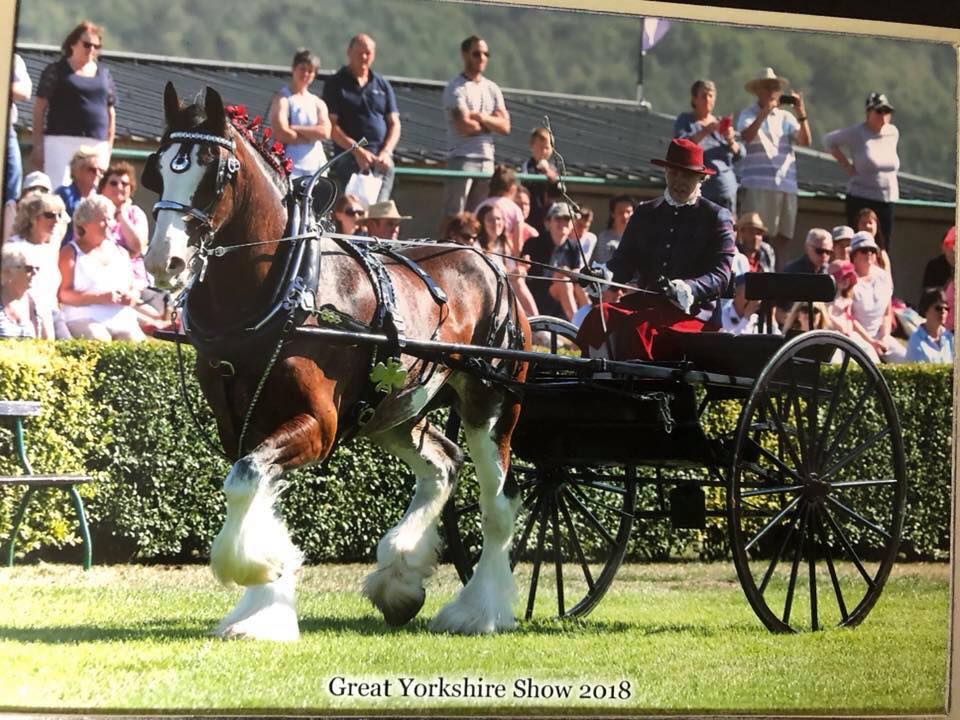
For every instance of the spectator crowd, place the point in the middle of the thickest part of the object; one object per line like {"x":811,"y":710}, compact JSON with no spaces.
{"x":73,"y":239}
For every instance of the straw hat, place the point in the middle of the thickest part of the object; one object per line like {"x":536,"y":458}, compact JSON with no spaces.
{"x":766,"y":75}
{"x":386,"y":210}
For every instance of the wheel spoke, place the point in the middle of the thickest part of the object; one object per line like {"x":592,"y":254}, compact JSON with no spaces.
{"x":521,"y":546}
{"x":832,"y":408}
{"x":849,"y":548}
{"x":537,"y":557}
{"x":784,"y":437}
{"x":833,"y":571}
{"x":859,"y":518}
{"x":770,"y":525}
{"x":856,"y":452}
{"x":574,"y":540}
{"x":863,"y":483}
{"x":771,"y":490}
{"x":601,"y":486}
{"x":776,"y":558}
{"x":791,"y":586}
{"x":780,"y":464}
{"x":596,"y":503}
{"x":844,"y":427}
{"x":801,"y":433}
{"x":591,"y":518}
{"x":558,"y":558}
{"x":812,"y":566}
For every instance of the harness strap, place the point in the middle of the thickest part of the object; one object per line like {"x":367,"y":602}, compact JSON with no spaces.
{"x":436,"y":292}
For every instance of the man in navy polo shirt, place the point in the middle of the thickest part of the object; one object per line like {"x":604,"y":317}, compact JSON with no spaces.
{"x":362,"y":104}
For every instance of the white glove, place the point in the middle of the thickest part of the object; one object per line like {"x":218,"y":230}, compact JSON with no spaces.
{"x":680,"y":294}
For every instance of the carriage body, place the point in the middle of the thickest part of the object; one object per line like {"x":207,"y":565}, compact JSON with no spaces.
{"x":795,"y":442}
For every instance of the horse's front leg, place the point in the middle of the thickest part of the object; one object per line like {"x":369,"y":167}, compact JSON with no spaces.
{"x":254,"y":548}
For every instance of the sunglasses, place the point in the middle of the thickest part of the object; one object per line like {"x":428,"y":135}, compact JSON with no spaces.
{"x":480,"y":53}
{"x":116,"y":182}
{"x":33,"y":269}
{"x":823,"y":251}
{"x":354,"y":212}
{"x":941,"y":308}
{"x":50,"y":215}
{"x":91,"y":46}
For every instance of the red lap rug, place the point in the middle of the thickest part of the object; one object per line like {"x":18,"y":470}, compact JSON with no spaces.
{"x":636,"y":325}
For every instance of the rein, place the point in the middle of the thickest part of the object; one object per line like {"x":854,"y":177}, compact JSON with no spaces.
{"x":218,"y":251}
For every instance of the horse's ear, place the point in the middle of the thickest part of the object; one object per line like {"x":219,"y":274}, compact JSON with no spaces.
{"x":171,"y":103}
{"x":213,"y":106}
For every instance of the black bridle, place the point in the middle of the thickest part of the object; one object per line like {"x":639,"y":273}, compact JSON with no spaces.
{"x":227,"y":169}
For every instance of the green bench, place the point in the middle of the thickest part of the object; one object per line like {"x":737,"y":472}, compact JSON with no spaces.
{"x":13,"y":413}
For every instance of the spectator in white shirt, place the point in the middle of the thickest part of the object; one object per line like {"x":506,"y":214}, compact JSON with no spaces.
{"x":871,"y":298}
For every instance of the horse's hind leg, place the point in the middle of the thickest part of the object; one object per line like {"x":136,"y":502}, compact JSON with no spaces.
{"x":485,"y":604}
{"x":408,"y":553}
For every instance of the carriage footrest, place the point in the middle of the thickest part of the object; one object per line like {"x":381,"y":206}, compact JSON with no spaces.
{"x":688,"y":507}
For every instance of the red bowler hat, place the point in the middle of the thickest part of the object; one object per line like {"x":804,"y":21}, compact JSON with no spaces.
{"x":685,"y":155}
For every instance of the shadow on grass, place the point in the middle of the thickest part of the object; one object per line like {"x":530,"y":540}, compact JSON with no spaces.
{"x":186,"y":629}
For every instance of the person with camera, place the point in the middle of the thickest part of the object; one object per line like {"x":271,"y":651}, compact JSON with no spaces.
{"x":768,"y":171}
{"x":719,"y":142}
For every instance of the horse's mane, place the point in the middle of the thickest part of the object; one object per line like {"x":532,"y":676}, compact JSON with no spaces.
{"x":194,"y":118}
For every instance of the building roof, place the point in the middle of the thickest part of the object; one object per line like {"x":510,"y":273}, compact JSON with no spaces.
{"x":600,"y":138}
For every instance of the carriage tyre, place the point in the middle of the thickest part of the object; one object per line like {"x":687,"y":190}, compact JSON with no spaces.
{"x":817,"y":488}
{"x":572,"y":526}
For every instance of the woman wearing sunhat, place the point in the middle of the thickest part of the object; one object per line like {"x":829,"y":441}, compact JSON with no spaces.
{"x":678,"y":248}
{"x":768,"y":171}
{"x":872,"y":164}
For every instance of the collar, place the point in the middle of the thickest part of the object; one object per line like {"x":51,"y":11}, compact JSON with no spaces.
{"x":673,"y":203}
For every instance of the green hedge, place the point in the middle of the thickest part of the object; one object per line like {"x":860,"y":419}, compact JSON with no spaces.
{"x":115,"y":411}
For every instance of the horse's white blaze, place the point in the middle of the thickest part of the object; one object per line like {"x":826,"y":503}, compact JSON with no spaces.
{"x":485,"y":605}
{"x":169,"y":240}
{"x":408,"y":553}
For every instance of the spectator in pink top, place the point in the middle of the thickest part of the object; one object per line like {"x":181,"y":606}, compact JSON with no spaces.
{"x":130,"y":229}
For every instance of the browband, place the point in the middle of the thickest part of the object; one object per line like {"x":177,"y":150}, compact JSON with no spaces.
{"x":203,"y":137}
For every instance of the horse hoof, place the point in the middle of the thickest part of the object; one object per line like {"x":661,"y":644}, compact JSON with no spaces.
{"x":400,"y":614}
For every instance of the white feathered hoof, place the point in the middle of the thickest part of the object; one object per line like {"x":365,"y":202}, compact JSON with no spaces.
{"x":265,"y":612}
{"x":398,"y":595}
{"x":481,"y":608}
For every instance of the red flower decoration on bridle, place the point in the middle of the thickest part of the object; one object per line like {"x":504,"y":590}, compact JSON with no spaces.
{"x":273,"y":154}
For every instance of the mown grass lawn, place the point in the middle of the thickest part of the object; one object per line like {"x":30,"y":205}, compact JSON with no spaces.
{"x":673,"y":637}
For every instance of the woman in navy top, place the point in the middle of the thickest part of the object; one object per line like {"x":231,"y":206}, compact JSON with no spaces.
{"x":716,"y":137}
{"x":75,"y":105}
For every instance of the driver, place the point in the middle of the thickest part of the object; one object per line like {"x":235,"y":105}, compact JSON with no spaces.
{"x":679,"y":248}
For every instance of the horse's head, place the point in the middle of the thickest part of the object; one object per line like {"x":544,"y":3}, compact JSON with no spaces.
{"x":194,"y":173}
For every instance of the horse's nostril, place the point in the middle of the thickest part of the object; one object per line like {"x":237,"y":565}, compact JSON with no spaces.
{"x":175,"y":266}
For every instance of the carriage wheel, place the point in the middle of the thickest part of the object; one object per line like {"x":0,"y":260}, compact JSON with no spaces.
{"x":817,"y":488}
{"x":571,"y":529}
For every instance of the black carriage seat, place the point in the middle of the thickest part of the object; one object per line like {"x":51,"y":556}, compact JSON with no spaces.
{"x":745,"y":355}
{"x":784,"y":289}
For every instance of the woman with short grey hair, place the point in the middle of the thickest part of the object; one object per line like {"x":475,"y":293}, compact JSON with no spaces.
{"x":718,"y":140}
{"x":18,"y":310}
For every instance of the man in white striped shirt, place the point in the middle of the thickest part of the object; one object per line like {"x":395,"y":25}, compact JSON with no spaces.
{"x":768,"y":171}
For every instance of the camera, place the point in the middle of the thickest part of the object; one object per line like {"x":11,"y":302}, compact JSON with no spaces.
{"x":787,"y":100}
